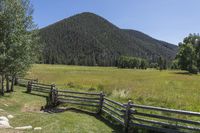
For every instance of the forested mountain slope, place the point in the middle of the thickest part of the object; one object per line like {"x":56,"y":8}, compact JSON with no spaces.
{"x":88,"y":39}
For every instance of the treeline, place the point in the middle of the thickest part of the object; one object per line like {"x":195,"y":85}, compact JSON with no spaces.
{"x":132,"y":62}
{"x":139,"y":63}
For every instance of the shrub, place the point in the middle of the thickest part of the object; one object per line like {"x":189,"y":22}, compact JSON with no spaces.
{"x":193,"y":69}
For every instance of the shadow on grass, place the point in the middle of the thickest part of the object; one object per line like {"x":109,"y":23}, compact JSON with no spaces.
{"x":116,"y":128}
{"x":183,"y":73}
{"x":5,"y":96}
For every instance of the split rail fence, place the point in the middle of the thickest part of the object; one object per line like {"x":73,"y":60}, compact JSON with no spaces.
{"x":128,"y":115}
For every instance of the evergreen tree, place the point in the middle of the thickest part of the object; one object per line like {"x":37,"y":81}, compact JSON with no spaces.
{"x":143,"y":64}
{"x":160,"y":63}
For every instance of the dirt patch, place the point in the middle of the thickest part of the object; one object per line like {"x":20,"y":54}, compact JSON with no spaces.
{"x":31,"y":108}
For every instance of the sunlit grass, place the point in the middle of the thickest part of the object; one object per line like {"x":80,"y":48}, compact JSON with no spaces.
{"x":172,"y":89}
{"x":26,"y":111}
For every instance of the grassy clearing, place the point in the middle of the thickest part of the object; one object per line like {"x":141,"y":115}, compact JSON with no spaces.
{"x":26,"y":111}
{"x":172,"y":89}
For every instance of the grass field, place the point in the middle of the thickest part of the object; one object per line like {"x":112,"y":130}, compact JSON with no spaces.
{"x":26,"y":111}
{"x":172,"y":89}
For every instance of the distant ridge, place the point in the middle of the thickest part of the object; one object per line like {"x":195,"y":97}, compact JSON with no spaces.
{"x":88,"y":39}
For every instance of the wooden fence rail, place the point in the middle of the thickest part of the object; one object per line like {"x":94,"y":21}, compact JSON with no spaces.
{"x":129,"y":115}
{"x":115,"y":110}
{"x":163,"y":119}
{"x":24,"y":81}
{"x":38,"y":87}
{"x":78,"y":98}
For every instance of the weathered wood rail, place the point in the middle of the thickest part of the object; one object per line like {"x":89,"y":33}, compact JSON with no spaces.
{"x":24,"y":81}
{"x":163,"y":119}
{"x":78,"y":98}
{"x":129,"y":115}
{"x":38,"y":87}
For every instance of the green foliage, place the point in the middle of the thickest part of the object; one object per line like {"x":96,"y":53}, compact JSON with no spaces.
{"x":193,"y":69}
{"x":153,"y":65}
{"x":143,"y":64}
{"x":18,"y":37}
{"x":175,"y":65}
{"x":188,"y":56}
{"x":162,"y":63}
{"x":131,"y":62}
{"x":88,"y":39}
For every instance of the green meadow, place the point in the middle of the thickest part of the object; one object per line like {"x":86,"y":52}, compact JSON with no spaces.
{"x":171,"y":89}
{"x":26,"y":111}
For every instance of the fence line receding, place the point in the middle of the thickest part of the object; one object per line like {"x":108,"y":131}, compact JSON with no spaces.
{"x":129,"y":115}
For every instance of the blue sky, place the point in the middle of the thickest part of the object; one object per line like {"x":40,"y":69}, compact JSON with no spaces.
{"x":167,"y":20}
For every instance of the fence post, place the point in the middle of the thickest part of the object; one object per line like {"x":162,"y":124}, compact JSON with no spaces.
{"x":29,"y":86}
{"x":53,"y":95}
{"x":127,"y":116}
{"x":101,"y":102}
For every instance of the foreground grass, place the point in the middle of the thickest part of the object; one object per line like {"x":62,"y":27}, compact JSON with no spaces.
{"x":26,"y":111}
{"x":172,"y":89}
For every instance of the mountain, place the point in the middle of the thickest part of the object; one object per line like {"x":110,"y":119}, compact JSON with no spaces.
{"x":88,"y":39}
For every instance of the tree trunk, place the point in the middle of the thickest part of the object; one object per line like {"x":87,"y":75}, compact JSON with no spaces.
{"x":16,"y":80}
{"x":2,"y":85}
{"x":7,"y":84}
{"x":12,"y":84}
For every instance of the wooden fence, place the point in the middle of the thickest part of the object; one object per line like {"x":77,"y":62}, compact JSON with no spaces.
{"x":24,"y":81}
{"x":129,"y":115}
{"x":78,"y":98}
{"x":163,"y":119}
{"x":39,"y":87}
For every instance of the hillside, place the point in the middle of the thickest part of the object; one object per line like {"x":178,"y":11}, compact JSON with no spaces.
{"x":88,"y":39}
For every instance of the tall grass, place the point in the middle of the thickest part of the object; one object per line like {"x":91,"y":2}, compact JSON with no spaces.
{"x":172,"y":89}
